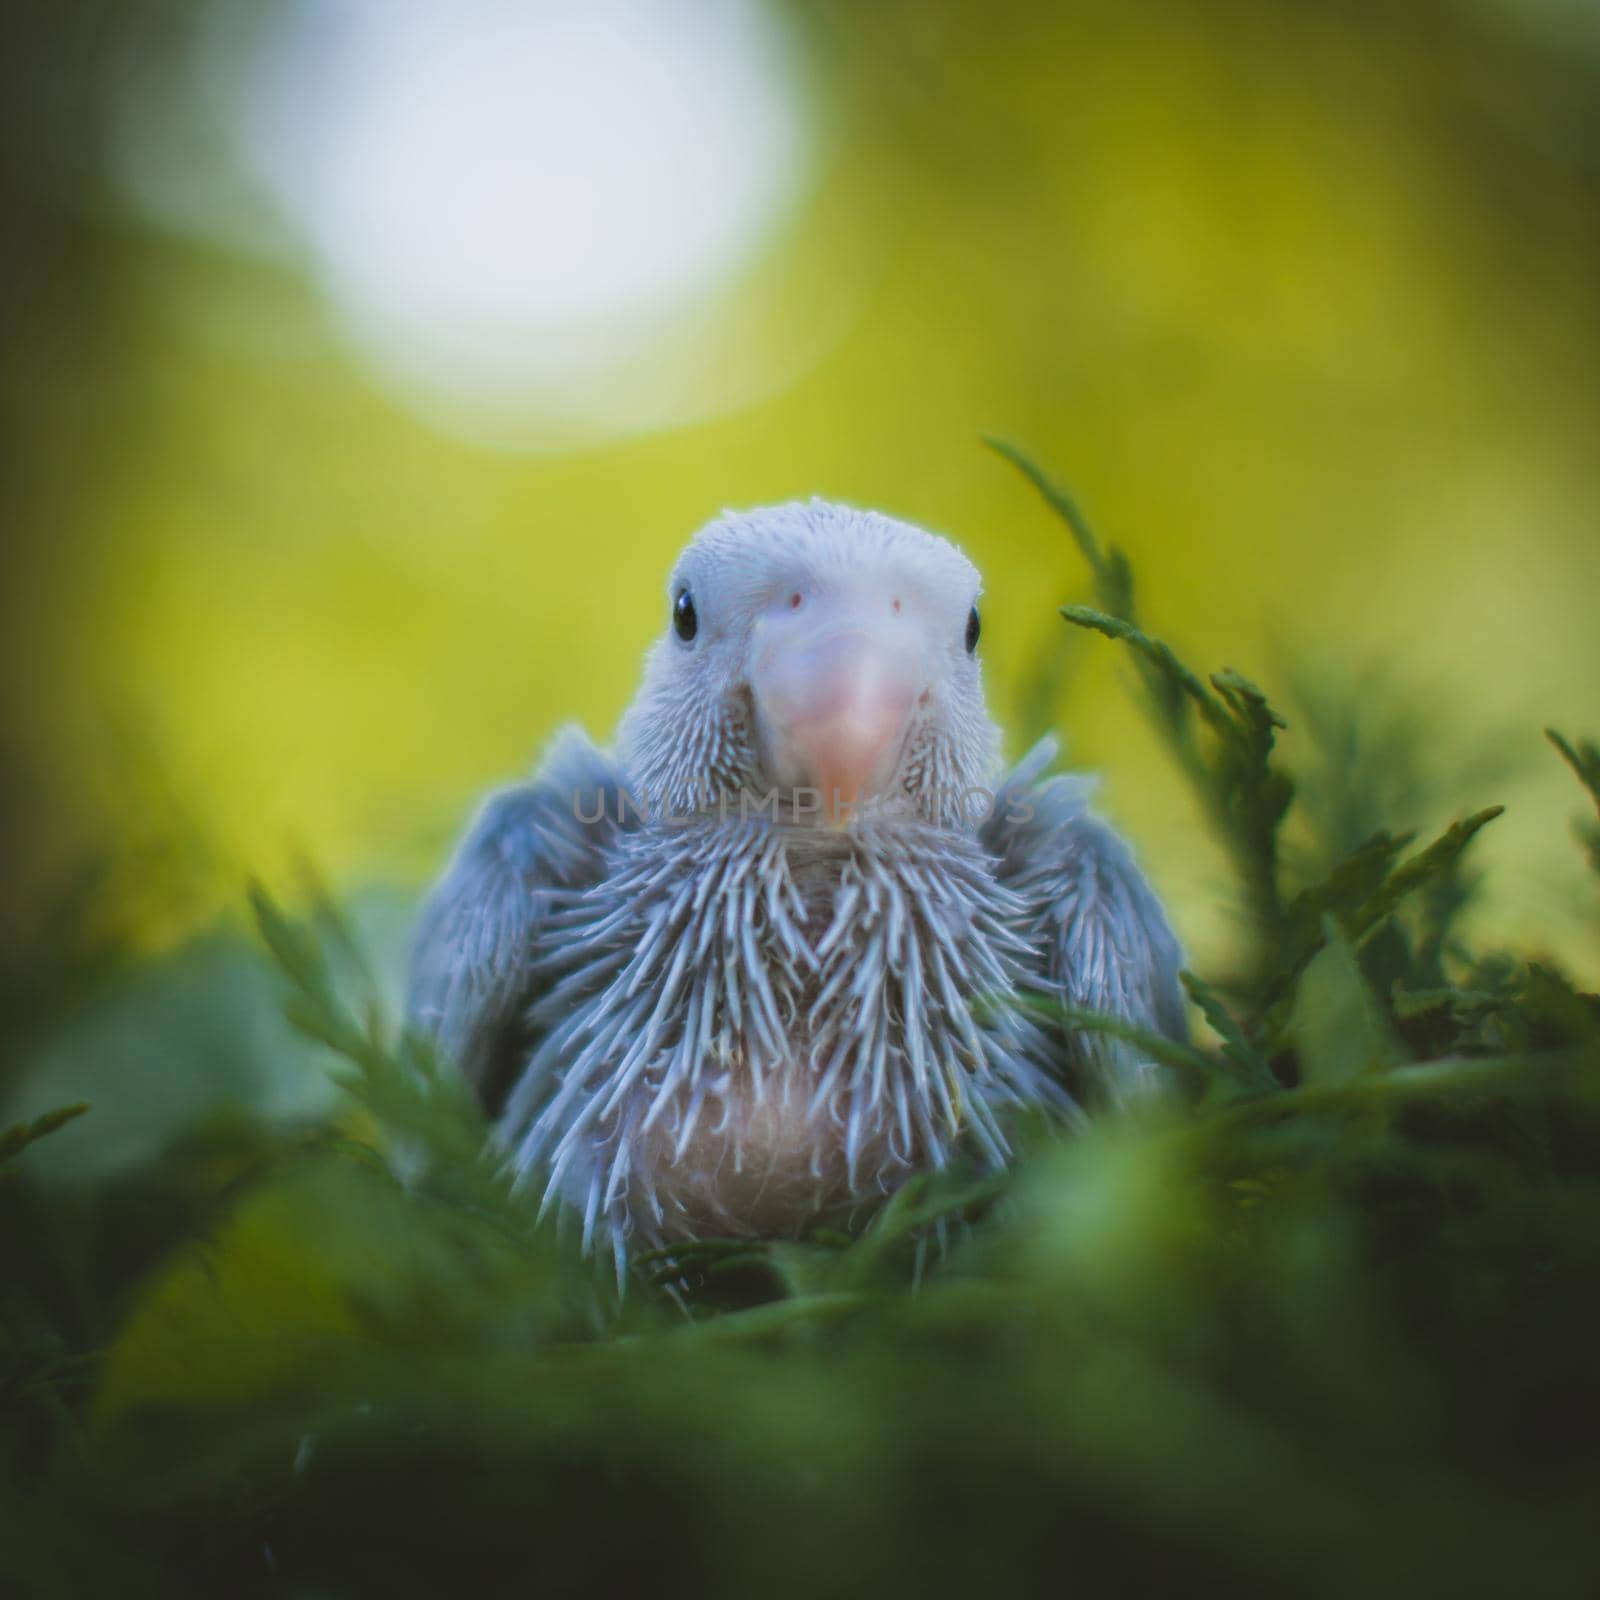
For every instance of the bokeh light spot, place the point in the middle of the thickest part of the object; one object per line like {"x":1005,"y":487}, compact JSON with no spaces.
{"x":501,"y":200}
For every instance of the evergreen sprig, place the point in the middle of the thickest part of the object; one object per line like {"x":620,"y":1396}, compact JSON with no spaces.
{"x":15,"y":1139}
{"x":1223,"y":733}
{"x":1584,"y":759}
{"x":429,"y":1123}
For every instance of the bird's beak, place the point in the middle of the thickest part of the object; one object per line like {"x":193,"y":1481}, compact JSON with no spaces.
{"x":835,"y":704}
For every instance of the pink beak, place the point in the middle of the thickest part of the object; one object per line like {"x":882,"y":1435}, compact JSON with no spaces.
{"x":835,"y":706}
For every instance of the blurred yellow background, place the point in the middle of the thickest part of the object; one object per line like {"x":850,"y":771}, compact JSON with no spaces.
{"x":354,"y":418}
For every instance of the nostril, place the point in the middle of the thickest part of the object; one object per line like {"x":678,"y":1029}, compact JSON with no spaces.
{"x":924,"y":698}
{"x":897,"y":605}
{"x":796,"y":600}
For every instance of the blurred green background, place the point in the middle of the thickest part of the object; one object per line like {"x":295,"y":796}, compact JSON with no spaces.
{"x":367,"y":365}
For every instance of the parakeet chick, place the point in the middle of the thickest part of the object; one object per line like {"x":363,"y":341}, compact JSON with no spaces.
{"x":767,"y":959}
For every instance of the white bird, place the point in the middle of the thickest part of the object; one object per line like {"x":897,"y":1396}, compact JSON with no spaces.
{"x":786,"y":945}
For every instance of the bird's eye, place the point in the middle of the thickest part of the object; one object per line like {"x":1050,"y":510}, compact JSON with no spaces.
{"x":974,"y":627}
{"x":684,"y":621}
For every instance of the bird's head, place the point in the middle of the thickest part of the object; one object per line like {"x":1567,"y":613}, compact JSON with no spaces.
{"x":815,"y":650}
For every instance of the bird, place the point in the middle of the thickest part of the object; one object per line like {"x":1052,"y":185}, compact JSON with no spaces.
{"x":796,"y":937}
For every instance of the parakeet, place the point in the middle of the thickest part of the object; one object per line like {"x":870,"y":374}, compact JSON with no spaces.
{"x":792,"y":940}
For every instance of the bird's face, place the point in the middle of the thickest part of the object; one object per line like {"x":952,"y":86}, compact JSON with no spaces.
{"x":824,"y":653}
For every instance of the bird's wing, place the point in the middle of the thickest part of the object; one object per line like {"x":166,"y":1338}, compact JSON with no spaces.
{"x":469,"y":983}
{"x":1101,"y":937}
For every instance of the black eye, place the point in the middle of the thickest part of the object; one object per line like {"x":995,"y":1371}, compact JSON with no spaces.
{"x":974,"y":627}
{"x":684,"y":621}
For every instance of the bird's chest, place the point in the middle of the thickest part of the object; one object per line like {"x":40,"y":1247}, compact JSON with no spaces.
{"x":771,"y":1039}
{"x":752,"y":1117}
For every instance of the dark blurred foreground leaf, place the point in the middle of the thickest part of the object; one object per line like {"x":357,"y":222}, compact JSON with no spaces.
{"x":15,"y":1139}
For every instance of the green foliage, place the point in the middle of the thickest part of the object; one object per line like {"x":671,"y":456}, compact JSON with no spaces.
{"x":1340,"y":1028}
{"x":1253,"y":1068}
{"x":1223,"y":733}
{"x":15,"y":1139}
{"x":429,"y":1122}
{"x":1584,"y":759}
{"x":1323,"y":1325}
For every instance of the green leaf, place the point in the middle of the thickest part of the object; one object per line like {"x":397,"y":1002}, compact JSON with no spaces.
{"x":1410,"y":1003}
{"x":1338,"y":1025}
{"x":15,"y":1139}
{"x":320,"y":1263}
{"x":1557,"y":1009}
{"x":1244,"y":795}
{"x":1159,"y":655}
{"x":1426,"y":865}
{"x":428,"y":1118}
{"x":1351,"y":883}
{"x":1252,"y":1065}
{"x":1112,"y":574}
{"x":1585,"y":762}
{"x":1157,"y":1047}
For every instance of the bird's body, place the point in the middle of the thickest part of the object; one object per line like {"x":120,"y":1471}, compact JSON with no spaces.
{"x":702,"y":1004}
